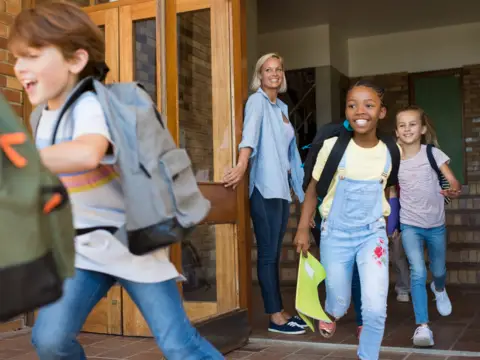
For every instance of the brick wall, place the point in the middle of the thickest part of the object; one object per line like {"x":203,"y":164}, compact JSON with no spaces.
{"x":12,"y":91}
{"x":146,"y":55}
{"x":471,"y":127}
{"x":195,"y":110}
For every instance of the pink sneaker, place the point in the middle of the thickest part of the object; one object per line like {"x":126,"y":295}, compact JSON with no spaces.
{"x":327,"y":329}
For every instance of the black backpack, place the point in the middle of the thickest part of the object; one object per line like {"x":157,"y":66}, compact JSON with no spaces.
{"x":344,"y":134}
{"x":442,"y":180}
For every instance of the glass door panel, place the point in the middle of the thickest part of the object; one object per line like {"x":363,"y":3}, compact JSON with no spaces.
{"x":106,"y":317}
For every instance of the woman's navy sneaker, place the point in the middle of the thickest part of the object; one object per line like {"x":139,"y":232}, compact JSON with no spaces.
{"x":298,"y":320}
{"x":290,"y":327}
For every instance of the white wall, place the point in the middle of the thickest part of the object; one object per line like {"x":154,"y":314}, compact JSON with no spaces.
{"x":412,"y":51}
{"x":415,"y":51}
{"x":301,"y":48}
{"x":338,"y":49}
{"x":252,"y":37}
{"x":323,"y":96}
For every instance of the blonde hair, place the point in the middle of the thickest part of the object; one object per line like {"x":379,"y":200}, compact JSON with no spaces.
{"x":430,"y":136}
{"x":256,"y":80}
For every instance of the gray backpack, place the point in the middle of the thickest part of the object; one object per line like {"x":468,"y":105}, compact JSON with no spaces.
{"x":162,"y":199}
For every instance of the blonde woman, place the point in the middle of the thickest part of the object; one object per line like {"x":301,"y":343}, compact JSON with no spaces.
{"x":269,"y":150}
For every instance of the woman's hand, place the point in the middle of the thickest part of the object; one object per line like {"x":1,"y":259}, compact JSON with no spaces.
{"x":233,"y":176}
{"x":302,"y":241}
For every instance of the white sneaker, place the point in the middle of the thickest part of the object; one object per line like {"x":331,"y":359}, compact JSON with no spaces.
{"x":403,"y":297}
{"x":423,"y":337}
{"x":444,"y":306}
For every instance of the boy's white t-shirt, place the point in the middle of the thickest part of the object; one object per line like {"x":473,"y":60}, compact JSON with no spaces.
{"x":97,"y":201}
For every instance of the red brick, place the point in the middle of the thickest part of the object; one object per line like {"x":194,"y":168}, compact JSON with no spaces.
{"x":13,"y":83}
{"x":13,"y":6}
{"x":5,"y":18}
{"x":11,"y":58}
{"x":3,"y":81}
{"x":6,"y":69}
{"x":3,"y":30}
{"x":3,"y":55}
{"x":13,"y":96}
{"x":3,"y":41}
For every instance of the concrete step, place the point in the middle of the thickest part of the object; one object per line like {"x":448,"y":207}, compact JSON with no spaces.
{"x":458,"y":234}
{"x":462,"y":217}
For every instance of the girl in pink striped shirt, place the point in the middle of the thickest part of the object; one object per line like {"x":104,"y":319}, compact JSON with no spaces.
{"x":422,"y":214}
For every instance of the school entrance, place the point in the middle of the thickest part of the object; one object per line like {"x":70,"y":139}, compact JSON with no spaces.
{"x":191,"y":55}
{"x":188,"y":55}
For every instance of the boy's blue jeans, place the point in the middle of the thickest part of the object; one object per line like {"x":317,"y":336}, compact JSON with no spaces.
{"x":58,"y":324}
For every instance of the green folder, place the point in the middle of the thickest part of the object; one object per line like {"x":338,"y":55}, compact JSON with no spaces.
{"x":310,"y":274}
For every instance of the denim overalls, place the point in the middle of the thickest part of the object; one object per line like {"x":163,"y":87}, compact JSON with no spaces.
{"x":353,"y":231}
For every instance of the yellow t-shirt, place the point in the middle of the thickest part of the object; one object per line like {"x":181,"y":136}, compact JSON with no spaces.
{"x":361,"y":164}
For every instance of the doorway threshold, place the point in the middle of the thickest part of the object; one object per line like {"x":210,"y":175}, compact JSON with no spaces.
{"x":256,"y":340}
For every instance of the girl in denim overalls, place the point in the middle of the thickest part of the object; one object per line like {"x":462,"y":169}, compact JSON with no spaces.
{"x":353,"y":226}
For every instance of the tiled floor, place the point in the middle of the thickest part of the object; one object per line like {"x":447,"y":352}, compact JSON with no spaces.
{"x":460,"y":332}
{"x":96,"y":347}
{"x":101,"y":347}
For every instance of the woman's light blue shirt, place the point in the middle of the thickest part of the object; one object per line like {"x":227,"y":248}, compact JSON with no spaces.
{"x":263,"y":131}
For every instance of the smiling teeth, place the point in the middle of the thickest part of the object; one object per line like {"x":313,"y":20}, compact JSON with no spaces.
{"x":361,"y":122}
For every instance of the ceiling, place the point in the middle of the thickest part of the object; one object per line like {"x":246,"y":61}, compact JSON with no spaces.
{"x":367,"y":17}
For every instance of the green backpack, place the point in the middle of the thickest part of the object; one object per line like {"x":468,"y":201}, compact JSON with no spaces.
{"x":37,"y":235}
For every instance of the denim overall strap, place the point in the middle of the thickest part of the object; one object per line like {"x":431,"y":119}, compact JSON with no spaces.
{"x":357,"y":203}
{"x":386,"y":169}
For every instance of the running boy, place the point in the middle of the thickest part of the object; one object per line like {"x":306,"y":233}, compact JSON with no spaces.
{"x":55,"y":46}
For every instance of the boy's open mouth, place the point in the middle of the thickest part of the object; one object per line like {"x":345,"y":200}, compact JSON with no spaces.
{"x":29,"y":85}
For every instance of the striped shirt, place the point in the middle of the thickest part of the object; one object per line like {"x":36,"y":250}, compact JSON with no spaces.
{"x":421,"y":203}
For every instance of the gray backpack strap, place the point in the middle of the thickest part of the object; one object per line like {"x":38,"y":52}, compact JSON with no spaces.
{"x":35,"y":118}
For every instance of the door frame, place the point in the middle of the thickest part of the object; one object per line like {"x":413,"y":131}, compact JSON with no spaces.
{"x":229,"y":16}
{"x":232,"y":21}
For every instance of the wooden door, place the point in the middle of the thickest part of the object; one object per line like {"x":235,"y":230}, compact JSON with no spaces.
{"x":206,"y":89}
{"x":204,"y":127}
{"x":203,"y":67}
{"x":139,"y":54}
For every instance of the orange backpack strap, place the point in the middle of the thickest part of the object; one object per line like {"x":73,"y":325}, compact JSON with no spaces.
{"x":6,"y":144}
